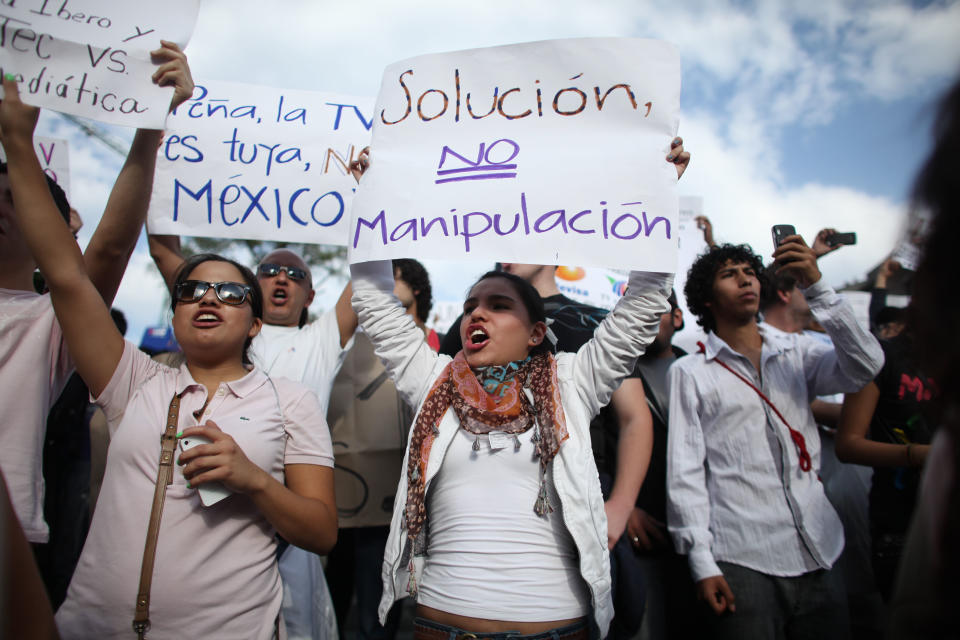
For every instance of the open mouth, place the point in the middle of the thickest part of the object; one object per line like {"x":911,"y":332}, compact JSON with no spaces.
{"x":477,"y":337}
{"x":279,"y":296}
{"x":206,"y":319}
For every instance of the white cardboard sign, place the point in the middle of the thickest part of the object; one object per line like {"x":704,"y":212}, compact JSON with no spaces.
{"x":91,"y":58}
{"x":54,"y":156}
{"x":547,"y":152}
{"x":247,"y":161}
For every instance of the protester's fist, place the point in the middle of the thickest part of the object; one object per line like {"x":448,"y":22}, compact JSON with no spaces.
{"x":359,"y":166}
{"x":173,"y":71}
{"x":704,"y":224}
{"x":717,"y":594}
{"x":678,"y":156}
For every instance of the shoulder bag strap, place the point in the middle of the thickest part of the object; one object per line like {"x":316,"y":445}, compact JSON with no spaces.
{"x":168,"y":441}
{"x":798,"y":440}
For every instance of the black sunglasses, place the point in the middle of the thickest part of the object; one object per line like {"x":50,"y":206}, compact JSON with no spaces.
{"x":269,"y":270}
{"x":232,"y":293}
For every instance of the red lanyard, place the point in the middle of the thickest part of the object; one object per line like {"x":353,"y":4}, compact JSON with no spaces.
{"x":795,"y":435}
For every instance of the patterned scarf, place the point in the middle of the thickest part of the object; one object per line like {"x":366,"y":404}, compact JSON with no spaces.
{"x":507,"y":410}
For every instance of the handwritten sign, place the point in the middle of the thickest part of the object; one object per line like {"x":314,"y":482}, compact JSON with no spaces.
{"x":54,"y":156}
{"x":549,"y":152}
{"x":245,"y":161}
{"x":91,"y":57}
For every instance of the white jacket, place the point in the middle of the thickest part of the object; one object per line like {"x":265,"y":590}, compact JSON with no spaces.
{"x":587,"y":380}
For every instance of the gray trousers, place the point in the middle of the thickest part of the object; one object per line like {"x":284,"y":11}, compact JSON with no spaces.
{"x":809,"y":606}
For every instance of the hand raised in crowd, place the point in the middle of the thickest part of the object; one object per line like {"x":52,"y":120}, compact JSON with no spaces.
{"x":173,"y":72}
{"x":717,"y":594}
{"x":820,"y":245}
{"x":679,"y":157}
{"x":704,"y":224}
{"x":795,"y":257}
{"x":646,"y":532}
{"x":17,"y":118}
{"x":220,"y":461}
{"x":359,"y":166}
{"x":885,"y":272}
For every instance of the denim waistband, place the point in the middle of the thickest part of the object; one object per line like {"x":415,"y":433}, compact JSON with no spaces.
{"x":434,"y":629}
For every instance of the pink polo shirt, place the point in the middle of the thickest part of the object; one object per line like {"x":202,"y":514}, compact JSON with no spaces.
{"x":215,"y":573}
{"x":34,"y":366}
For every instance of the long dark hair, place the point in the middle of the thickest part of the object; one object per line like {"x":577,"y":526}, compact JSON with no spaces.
{"x":531,"y":300}
{"x":255,"y":296}
{"x":935,"y":316}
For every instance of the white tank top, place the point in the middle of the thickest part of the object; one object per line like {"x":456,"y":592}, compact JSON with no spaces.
{"x":489,"y":554}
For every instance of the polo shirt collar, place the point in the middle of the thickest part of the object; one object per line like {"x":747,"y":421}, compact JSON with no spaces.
{"x":240,"y":387}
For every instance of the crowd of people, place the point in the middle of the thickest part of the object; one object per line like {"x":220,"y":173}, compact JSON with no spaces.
{"x":561,"y":471}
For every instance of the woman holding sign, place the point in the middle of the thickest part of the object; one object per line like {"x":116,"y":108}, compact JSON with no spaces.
{"x":499,"y":523}
{"x":263,"y":460}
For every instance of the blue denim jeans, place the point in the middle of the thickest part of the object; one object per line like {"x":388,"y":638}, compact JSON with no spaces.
{"x":811,"y":606}
{"x":456,"y":633}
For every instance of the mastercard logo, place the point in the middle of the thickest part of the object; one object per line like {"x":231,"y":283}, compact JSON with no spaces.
{"x":571,"y":273}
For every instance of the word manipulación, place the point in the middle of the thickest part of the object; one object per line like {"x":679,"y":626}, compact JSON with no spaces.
{"x":433,"y":103}
{"x":624,"y":225}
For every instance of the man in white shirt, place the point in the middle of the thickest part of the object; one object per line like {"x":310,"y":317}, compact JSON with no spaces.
{"x":744,"y":501}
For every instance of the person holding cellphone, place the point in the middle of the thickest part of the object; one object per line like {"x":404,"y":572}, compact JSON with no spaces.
{"x":215,"y":572}
{"x":744,"y":501}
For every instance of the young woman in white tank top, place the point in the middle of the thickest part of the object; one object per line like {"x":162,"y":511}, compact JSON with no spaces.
{"x":498,"y":524}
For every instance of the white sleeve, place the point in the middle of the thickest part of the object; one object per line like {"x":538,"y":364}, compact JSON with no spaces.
{"x":855,"y":358}
{"x":688,"y":502}
{"x":609,"y":356}
{"x":397,"y":340}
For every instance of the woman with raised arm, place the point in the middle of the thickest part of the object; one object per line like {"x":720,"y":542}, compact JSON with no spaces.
{"x":264,"y":443}
{"x":498,"y":525}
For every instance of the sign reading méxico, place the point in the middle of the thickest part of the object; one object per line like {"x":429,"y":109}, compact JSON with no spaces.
{"x":546,"y":152}
{"x":91,"y":58}
{"x":248,"y":161}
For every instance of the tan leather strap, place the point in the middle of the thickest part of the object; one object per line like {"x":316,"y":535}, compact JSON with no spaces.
{"x":168,"y":441}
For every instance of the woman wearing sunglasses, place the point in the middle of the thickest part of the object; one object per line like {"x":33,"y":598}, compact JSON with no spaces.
{"x":268,"y":447}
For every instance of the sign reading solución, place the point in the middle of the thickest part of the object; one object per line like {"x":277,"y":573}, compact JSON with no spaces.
{"x":547,"y":152}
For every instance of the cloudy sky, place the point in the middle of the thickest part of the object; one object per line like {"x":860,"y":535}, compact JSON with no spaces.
{"x":810,"y":113}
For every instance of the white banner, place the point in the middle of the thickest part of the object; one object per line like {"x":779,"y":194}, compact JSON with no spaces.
{"x":54,"y":156}
{"x":547,"y":152}
{"x":246,"y":161}
{"x":91,"y":58}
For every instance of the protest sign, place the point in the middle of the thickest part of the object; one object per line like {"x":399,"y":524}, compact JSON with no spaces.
{"x":91,"y":58}
{"x":246,"y":161}
{"x":54,"y":156}
{"x":548,"y":152}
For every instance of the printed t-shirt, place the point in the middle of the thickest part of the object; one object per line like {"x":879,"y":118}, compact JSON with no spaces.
{"x":215,"y":572}
{"x":34,"y":367}
{"x":898,"y":419}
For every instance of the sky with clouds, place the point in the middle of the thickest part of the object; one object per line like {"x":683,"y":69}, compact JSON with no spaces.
{"x":815,"y":114}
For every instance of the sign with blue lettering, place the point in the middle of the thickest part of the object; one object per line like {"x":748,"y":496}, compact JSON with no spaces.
{"x":547,"y":152}
{"x":91,"y":58}
{"x":245,"y":161}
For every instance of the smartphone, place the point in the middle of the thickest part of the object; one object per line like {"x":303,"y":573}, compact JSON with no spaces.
{"x":781,"y":231}
{"x":210,"y":492}
{"x":835,"y":239}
